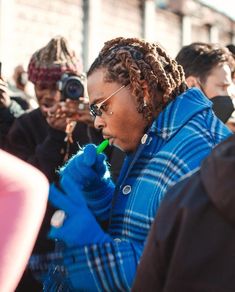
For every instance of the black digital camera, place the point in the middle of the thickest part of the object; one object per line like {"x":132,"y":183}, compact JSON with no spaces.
{"x":71,"y":86}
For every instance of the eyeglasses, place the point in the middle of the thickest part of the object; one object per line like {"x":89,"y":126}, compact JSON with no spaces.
{"x":95,"y":108}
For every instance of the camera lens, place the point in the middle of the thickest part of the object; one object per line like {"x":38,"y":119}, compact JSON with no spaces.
{"x":73,"y":89}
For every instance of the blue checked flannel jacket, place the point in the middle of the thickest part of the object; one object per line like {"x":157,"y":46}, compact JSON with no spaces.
{"x":178,"y":140}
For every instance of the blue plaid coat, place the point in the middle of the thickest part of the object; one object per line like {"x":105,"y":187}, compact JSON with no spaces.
{"x":178,"y":140}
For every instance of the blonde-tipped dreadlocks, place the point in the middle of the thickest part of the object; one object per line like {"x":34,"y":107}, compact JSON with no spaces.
{"x":131,"y":60}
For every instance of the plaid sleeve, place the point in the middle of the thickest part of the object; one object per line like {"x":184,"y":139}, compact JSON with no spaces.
{"x":104,"y":267}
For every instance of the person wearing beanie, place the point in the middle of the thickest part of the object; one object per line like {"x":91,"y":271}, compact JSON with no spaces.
{"x":39,"y":137}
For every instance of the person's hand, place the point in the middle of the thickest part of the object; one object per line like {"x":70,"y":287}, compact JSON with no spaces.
{"x":88,"y":169}
{"x":59,"y":115}
{"x":5,"y":100}
{"x":55,"y":118}
{"x":90,"y":173}
{"x":62,"y":113}
{"x":83,"y":113}
{"x":79,"y":111}
{"x":79,"y":227}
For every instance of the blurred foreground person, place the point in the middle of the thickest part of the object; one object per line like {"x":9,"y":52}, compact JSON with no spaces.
{"x":191,"y":246}
{"x":140,"y":102}
{"x":209,"y":67}
{"x":23,"y":198}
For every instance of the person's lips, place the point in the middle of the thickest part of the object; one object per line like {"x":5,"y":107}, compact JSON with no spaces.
{"x":110,"y":138}
{"x":105,"y":136}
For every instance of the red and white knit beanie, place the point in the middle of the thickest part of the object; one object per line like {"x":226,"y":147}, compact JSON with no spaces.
{"x":48,"y":64}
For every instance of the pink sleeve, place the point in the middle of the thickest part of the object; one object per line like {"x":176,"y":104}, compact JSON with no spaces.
{"x":23,"y":198}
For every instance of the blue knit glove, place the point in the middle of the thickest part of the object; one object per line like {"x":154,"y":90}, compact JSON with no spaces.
{"x":90,"y":173}
{"x":80,"y":226}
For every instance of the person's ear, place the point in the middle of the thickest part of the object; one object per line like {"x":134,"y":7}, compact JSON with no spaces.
{"x":192,"y":81}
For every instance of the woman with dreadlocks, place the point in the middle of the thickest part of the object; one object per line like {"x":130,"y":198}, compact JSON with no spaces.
{"x":140,"y":102}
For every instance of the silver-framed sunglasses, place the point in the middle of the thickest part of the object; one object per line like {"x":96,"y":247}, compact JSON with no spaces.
{"x":96,"y":108}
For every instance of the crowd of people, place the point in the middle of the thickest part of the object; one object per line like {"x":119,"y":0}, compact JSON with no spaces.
{"x":143,"y":214}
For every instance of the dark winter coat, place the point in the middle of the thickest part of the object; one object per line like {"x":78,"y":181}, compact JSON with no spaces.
{"x":191,"y":246}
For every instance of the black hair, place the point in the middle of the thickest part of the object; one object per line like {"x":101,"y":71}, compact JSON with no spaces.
{"x":199,"y":59}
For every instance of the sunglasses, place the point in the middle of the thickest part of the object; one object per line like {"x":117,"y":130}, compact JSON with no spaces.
{"x":96,"y":108}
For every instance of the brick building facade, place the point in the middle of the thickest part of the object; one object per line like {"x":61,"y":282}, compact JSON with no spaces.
{"x":26,"y":25}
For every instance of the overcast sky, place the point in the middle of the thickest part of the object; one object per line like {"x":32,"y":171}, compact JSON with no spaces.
{"x":227,"y":6}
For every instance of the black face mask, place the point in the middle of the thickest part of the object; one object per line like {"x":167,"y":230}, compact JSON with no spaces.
{"x":223,"y":107}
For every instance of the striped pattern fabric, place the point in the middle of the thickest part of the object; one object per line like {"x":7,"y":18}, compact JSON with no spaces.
{"x":183,"y":134}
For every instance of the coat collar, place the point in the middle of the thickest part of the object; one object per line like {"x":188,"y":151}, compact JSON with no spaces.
{"x":179,"y":112}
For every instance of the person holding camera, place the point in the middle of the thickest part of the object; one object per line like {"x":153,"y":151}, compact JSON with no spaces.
{"x":39,"y":137}
{"x":47,"y":136}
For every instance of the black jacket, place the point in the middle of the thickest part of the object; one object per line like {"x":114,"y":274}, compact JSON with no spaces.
{"x":191,"y":246}
{"x":7,"y":117}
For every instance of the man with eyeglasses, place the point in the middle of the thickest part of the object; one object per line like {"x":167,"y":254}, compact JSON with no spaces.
{"x":96,"y":108}
{"x":141,"y":104}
